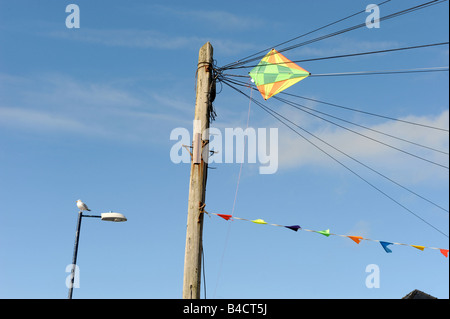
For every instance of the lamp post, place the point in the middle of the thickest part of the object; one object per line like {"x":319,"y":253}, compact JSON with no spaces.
{"x":111,"y":216}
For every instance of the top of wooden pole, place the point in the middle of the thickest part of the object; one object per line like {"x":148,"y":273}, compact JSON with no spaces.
{"x":206,"y":53}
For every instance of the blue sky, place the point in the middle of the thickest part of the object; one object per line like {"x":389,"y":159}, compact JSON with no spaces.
{"x":87,"y":114}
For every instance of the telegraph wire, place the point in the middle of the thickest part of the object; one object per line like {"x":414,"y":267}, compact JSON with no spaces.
{"x":240,"y":83}
{"x":283,"y":120}
{"x":301,"y":36}
{"x":393,"y":15}
{"x":384,"y":72}
{"x":359,"y":162}
{"x":358,"y":26}
{"x":362,"y":126}
{"x":350,"y":55}
{"x":365,"y":112}
{"x":360,"y":134}
{"x":379,"y":72}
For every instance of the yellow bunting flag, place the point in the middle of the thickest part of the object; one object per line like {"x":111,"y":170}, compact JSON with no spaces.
{"x":259,"y":221}
{"x":418,"y":247}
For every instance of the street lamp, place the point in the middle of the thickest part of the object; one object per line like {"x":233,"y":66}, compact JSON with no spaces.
{"x":111,"y":216}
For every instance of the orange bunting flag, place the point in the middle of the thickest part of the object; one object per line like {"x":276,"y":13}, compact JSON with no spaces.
{"x":356,"y":239}
{"x":444,"y":252}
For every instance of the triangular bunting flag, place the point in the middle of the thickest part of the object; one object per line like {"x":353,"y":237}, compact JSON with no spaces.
{"x":294,"y":227}
{"x":324,"y":232}
{"x":226,"y":217}
{"x":356,"y":239}
{"x":259,"y":221}
{"x":384,"y":244}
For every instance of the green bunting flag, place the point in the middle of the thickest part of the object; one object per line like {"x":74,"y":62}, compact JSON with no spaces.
{"x":324,"y":232}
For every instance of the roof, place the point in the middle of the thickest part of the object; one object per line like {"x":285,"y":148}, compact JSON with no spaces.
{"x":417,"y":294}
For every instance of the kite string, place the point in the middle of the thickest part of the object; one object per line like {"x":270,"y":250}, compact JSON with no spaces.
{"x":243,"y":153}
{"x":235,"y":194}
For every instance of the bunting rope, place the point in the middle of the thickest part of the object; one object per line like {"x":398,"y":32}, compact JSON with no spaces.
{"x":356,"y":239}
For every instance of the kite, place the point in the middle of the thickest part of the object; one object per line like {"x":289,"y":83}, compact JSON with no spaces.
{"x":275,"y":73}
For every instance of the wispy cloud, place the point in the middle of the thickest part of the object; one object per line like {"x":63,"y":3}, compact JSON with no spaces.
{"x":218,"y":18}
{"x":132,"y":38}
{"x":135,"y":38}
{"x":361,"y":228}
{"x":61,"y":104}
{"x":295,"y":151}
{"x":22,"y":118}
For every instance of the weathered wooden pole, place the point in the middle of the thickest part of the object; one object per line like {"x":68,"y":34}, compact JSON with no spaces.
{"x":197,"y":186}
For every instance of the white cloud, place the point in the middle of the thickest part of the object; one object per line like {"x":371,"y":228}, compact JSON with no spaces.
{"x":134,"y":38}
{"x":296,"y":152}
{"x":61,"y":104}
{"x":178,"y":104}
{"x":361,"y":228}
{"x":218,"y":18}
{"x":43,"y":121}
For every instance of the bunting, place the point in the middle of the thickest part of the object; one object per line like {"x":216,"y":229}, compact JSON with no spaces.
{"x":294,"y":228}
{"x":357,"y":239}
{"x":259,"y":221}
{"x":385,"y":245}
{"x":325,"y":232}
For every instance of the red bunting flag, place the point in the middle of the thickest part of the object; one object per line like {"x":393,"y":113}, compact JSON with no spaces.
{"x":226,"y":217}
{"x":444,"y":252}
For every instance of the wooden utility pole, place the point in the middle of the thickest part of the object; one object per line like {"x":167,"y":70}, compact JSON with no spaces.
{"x":197,"y":187}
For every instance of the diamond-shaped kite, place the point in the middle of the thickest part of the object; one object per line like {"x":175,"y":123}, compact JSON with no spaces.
{"x":275,"y":73}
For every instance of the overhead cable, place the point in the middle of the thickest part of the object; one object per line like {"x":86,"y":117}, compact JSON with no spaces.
{"x":285,"y":120}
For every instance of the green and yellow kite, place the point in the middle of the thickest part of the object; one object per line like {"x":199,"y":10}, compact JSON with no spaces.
{"x":275,"y":73}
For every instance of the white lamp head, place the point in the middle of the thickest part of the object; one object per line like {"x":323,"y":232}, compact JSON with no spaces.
{"x":113,"y":217}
